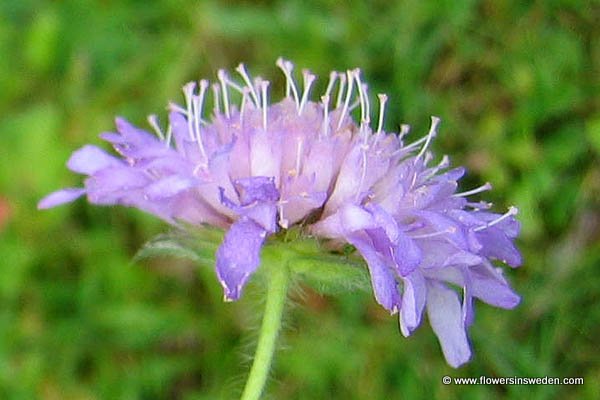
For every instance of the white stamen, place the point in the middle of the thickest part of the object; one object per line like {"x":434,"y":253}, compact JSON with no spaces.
{"x":350,"y":77}
{"x":222,"y":75}
{"x":216,"y":99}
{"x":365,"y":108}
{"x":263,"y":86}
{"x":177,"y":108}
{"x":444,"y":163}
{"x":332,"y":78}
{"x":435,"y":121}
{"x":241,"y":69}
{"x":243,"y":103}
{"x":197,"y":106}
{"x":287,"y":68}
{"x":382,"y":101}
{"x":434,"y":234}
{"x":512,"y":210}
{"x":188,"y":92}
{"x":341,"y":87}
{"x":308,"y":80}
{"x":153,"y":121}
{"x":404,"y":130}
{"x":169,"y":135}
{"x":482,"y":188}
{"x":325,"y":124}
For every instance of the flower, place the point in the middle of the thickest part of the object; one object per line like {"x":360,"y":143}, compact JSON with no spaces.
{"x":258,"y":168}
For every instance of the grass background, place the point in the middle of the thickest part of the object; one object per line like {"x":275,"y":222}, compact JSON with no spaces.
{"x":516,"y":85}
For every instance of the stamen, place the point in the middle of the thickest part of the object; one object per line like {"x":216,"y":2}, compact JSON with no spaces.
{"x":444,"y":163}
{"x":243,"y":103}
{"x":264,"y":85}
{"x":197,"y":105}
{"x":325,"y":124}
{"x":382,"y":101}
{"x":241,"y":69}
{"x":435,"y":121}
{"x":482,"y":188}
{"x":287,"y":68}
{"x":222,"y":75}
{"x":512,"y":210}
{"x":188,"y":92}
{"x":153,"y":121}
{"x":341,"y":88}
{"x":350,"y":77}
{"x":308,"y":80}
{"x":216,"y":99}
{"x":169,"y":135}
{"x":404,"y":130}
{"x":450,"y":230}
{"x":177,"y":108}
{"x":332,"y":78}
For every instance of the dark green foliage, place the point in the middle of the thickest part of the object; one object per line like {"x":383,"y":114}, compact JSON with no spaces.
{"x":516,"y":84}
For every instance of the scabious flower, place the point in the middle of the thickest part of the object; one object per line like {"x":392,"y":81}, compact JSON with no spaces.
{"x":258,"y":168}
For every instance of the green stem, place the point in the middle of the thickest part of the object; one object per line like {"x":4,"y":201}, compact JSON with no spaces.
{"x":269,"y":330}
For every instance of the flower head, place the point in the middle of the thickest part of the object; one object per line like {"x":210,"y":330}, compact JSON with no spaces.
{"x":255,"y":168}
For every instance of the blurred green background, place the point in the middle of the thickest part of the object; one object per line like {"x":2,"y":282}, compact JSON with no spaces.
{"x":516,"y":84}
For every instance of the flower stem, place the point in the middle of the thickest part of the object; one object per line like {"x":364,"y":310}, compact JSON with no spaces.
{"x":269,"y":330}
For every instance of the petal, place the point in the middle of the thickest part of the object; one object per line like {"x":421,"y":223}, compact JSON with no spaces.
{"x":382,"y":279}
{"x":414,"y":297}
{"x":239,"y":256}
{"x":497,"y":245}
{"x":407,"y":254}
{"x":168,"y":187}
{"x":445,"y":316}
{"x":60,"y":197}
{"x":91,"y":159}
{"x":256,"y":189}
{"x":489,"y":285}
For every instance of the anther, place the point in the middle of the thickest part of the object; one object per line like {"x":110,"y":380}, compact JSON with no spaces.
{"x":482,"y":188}
{"x":512,"y":210}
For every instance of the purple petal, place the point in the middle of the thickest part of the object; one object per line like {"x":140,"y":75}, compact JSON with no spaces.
{"x":497,"y":245}
{"x":414,"y":297}
{"x":407,"y":254}
{"x":256,"y":189}
{"x":382,"y":279}
{"x":168,"y":187}
{"x":445,"y":316}
{"x":489,"y":285}
{"x":60,"y":197}
{"x":91,"y":159}
{"x":239,"y":256}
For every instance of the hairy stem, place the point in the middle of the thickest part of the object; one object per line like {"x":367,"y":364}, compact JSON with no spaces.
{"x":269,"y":330}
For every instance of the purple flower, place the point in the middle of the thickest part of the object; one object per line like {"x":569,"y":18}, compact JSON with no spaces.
{"x":254,"y":168}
